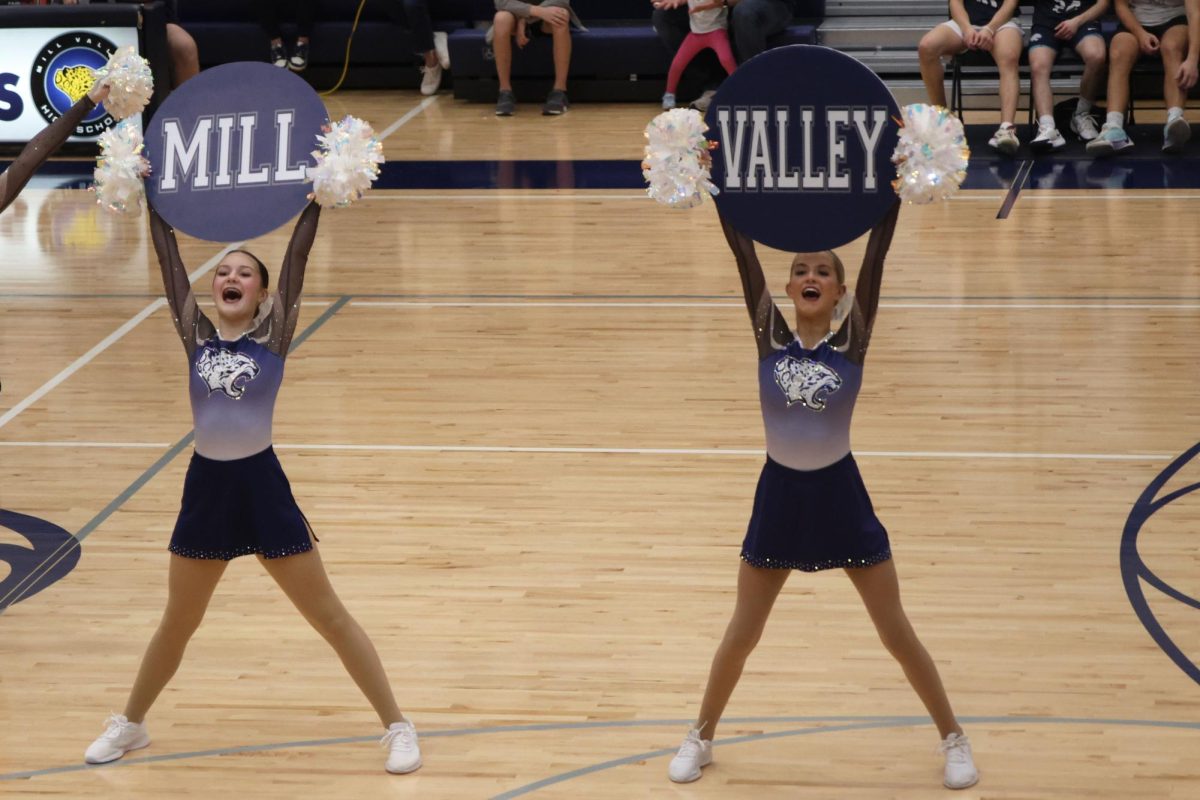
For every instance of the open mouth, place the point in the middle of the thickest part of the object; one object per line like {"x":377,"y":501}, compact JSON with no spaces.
{"x":231,"y":294}
{"x":811,"y":293}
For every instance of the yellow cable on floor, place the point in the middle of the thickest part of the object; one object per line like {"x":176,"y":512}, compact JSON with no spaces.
{"x":349,"y":42}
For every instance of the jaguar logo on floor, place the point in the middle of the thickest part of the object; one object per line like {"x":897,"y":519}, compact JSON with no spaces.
{"x":1135,"y":573}
{"x":50,"y":555}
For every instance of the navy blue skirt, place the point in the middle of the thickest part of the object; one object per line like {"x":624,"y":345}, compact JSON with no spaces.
{"x":814,"y":519}
{"x":234,"y":508}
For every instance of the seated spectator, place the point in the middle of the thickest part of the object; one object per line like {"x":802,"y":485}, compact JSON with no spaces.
{"x":1166,"y":29}
{"x":519,"y":20}
{"x":432,"y":46}
{"x":751,"y":23}
{"x":989,"y":25}
{"x":1057,"y":24}
{"x":268,"y":17}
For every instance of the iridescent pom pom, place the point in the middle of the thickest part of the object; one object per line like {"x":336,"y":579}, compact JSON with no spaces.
{"x":677,"y":160}
{"x":347,"y":163}
{"x":128,"y":75}
{"x":931,"y":157}
{"x":120,"y":168}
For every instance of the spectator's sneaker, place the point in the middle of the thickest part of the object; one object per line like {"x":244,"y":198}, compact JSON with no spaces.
{"x":694,"y":754}
{"x":1004,"y":140}
{"x":431,"y":79}
{"x":1047,"y":139}
{"x":279,"y":55}
{"x":960,"y":767}
{"x":404,"y":755}
{"x":299,"y":60}
{"x":1084,"y":126}
{"x":506,"y":103}
{"x":556,"y":103}
{"x":1175,"y":135}
{"x":119,"y":737}
{"x":702,"y":102}
{"x":668,"y":101}
{"x":1112,"y":139}
{"x":441,"y":46}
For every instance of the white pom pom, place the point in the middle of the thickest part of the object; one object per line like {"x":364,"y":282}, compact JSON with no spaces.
{"x":677,"y":161}
{"x":120,"y":168}
{"x":931,"y":157}
{"x":131,"y":84}
{"x":347,"y":163}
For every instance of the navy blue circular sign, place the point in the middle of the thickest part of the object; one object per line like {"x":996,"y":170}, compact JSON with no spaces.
{"x":229,"y":151}
{"x":805,"y":139}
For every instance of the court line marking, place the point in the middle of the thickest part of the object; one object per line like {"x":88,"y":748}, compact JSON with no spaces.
{"x":636,"y":451}
{"x":952,"y":305}
{"x":840,"y":723}
{"x":107,"y":342}
{"x":76,"y":540}
{"x":408,"y":117}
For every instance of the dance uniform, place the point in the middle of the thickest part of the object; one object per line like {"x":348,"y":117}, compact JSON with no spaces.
{"x":236,"y":499}
{"x":811,"y":509}
{"x":39,"y":148}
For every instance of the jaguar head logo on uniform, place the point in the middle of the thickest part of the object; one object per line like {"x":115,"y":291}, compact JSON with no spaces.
{"x":226,"y":370}
{"x":806,"y":381}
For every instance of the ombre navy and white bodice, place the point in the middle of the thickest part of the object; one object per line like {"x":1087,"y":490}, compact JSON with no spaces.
{"x":807,"y":396}
{"x":233,"y":384}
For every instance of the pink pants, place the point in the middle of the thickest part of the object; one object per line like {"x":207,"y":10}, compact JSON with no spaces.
{"x":718,"y":40}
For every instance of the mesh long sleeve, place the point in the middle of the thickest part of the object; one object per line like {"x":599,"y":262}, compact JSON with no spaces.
{"x":192,"y":326}
{"x":39,"y":148}
{"x":855,"y":333}
{"x":771,"y":330}
{"x":291,"y":279}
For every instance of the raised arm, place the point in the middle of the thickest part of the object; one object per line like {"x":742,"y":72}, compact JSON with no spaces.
{"x":771,"y":330}
{"x":178,"y":288}
{"x":291,"y":277}
{"x":856,"y":331}
{"x":40,"y":147}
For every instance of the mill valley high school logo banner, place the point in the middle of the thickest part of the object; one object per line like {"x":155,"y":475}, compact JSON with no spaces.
{"x":230,"y":149}
{"x":64,"y":72}
{"x":805,"y":138}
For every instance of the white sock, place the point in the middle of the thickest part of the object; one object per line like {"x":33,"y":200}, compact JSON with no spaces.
{"x":1173,"y":112}
{"x":1115,"y":119}
{"x":1046,"y":121}
{"x":1083,"y":106}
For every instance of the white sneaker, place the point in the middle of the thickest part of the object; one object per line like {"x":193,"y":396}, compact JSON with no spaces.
{"x":1084,"y":126}
{"x":441,"y":46}
{"x":693,"y":754}
{"x":702,"y":102}
{"x":403,"y":753}
{"x":960,"y":767}
{"x":1005,"y":140}
{"x":668,"y":101}
{"x":119,"y":737}
{"x":1175,"y":135}
{"x":431,"y":80}
{"x":1048,"y":138}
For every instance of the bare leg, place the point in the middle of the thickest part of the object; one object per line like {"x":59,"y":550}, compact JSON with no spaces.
{"x":1173,"y":47}
{"x":190,"y":584}
{"x":939,"y":42}
{"x":1091,"y":50}
{"x":1041,"y":61}
{"x":1006,"y":50}
{"x":757,"y":590}
{"x":502,"y":44}
{"x":302,"y":578}
{"x":880,"y":591}
{"x":562,"y":55}
{"x":1122,"y":55}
